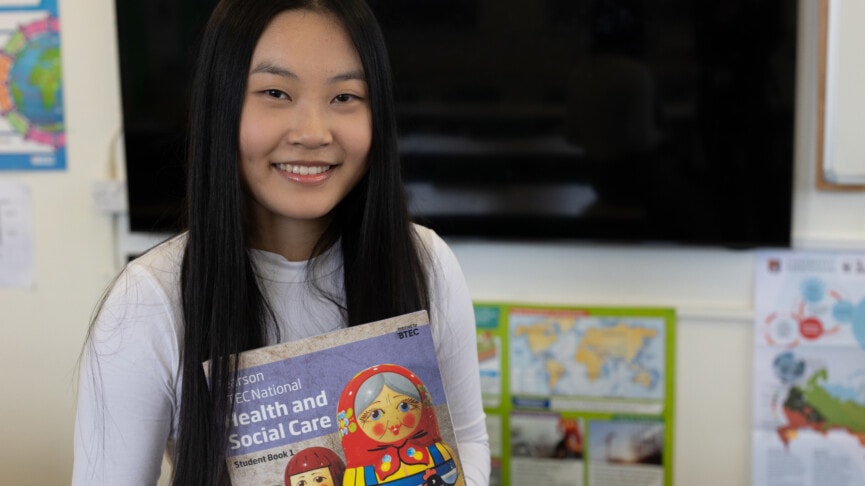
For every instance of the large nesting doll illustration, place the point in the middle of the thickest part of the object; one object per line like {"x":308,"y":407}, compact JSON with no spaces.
{"x":390,"y":433}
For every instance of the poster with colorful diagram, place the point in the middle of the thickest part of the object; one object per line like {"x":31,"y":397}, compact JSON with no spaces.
{"x":578,"y":395}
{"x":32,"y":129}
{"x":809,"y":369}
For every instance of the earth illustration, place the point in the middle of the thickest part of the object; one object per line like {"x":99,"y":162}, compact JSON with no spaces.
{"x":35,"y":82}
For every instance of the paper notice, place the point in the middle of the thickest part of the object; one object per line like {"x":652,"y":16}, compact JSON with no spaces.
{"x":16,"y":242}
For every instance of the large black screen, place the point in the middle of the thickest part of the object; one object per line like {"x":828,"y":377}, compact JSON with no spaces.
{"x":605,"y":120}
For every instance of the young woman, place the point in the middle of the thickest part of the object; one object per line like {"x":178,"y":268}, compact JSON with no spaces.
{"x":297,"y":225}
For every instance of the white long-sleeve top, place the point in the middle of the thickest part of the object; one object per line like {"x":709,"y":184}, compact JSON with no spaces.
{"x":130,"y":384}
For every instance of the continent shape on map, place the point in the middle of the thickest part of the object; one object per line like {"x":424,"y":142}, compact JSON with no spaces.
{"x":813,"y":407}
{"x":541,"y":336}
{"x":621,"y":342}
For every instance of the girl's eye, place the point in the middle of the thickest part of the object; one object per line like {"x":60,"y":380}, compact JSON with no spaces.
{"x":344,"y":98}
{"x":301,"y":483}
{"x":404,"y":407}
{"x":320,"y":479}
{"x":275,"y":93}
{"x":375,"y":414}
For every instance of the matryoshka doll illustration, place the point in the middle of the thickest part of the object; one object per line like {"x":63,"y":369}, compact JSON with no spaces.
{"x":390,"y":433}
{"x":314,"y":466}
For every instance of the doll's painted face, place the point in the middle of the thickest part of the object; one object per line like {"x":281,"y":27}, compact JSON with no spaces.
{"x":314,"y":477}
{"x":391,"y":417}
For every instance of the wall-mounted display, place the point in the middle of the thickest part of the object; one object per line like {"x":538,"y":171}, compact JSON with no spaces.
{"x":32,"y":129}
{"x":840,"y":151}
{"x":809,"y":369}
{"x":602,"y":120}
{"x":578,"y":395}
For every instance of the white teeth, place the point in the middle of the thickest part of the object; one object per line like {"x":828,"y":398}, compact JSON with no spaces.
{"x":304,"y":169}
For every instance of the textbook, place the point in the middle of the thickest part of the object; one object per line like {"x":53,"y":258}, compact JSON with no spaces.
{"x":358,"y":406}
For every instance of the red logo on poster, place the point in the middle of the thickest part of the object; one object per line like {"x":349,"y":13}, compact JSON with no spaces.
{"x":811,"y":328}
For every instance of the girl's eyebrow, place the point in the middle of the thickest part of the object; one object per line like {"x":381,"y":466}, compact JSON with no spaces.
{"x":270,"y":68}
{"x":351,"y":75}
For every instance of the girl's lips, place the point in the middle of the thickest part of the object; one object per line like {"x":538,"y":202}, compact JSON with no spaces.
{"x":394,"y":429}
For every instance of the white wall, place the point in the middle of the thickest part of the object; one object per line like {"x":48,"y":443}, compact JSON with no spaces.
{"x":43,"y":328}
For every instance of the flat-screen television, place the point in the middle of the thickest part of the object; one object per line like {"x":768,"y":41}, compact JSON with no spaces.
{"x":629,"y":121}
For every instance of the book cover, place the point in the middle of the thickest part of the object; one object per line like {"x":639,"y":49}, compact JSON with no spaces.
{"x":360,"y":406}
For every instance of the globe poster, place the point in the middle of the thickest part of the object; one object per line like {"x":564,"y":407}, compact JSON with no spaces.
{"x":809,"y":369}
{"x":32,"y":130}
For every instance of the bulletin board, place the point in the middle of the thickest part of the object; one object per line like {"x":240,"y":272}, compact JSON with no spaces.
{"x":582,"y":396}
{"x":840,"y":143}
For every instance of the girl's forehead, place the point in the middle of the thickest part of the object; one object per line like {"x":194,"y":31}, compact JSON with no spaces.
{"x":306,"y":38}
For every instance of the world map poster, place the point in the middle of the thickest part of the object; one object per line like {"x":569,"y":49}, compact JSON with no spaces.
{"x":578,"y":395}
{"x":32,"y":129}
{"x":809,"y":369}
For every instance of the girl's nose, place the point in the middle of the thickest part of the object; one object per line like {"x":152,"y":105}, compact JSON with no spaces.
{"x":309,"y":127}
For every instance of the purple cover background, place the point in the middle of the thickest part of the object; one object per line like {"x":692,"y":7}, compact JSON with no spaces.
{"x":331,"y":370}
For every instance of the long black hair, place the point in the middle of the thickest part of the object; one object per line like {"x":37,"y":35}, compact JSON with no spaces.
{"x":224,"y":309}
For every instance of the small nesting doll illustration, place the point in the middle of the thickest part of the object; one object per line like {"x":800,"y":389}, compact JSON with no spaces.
{"x":390,"y":433}
{"x":314,"y":466}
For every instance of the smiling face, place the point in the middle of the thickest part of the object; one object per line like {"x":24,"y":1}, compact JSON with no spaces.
{"x":315,"y":477}
{"x":305,"y":129}
{"x":391,"y":417}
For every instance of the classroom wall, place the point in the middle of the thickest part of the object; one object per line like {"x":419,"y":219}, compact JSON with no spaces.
{"x":42,"y":328}
{"x":76,"y":254}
